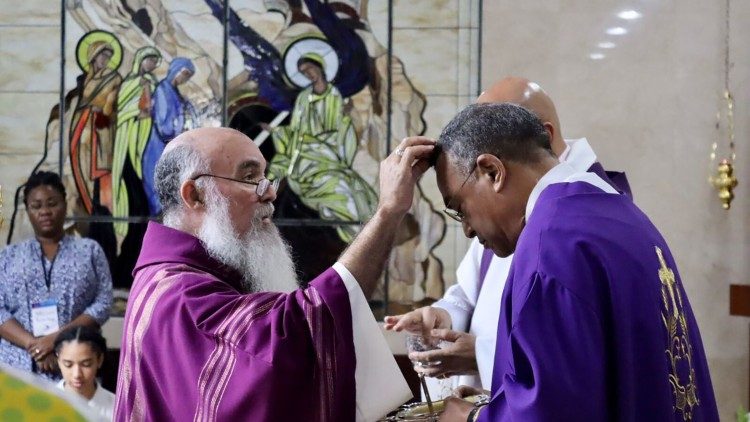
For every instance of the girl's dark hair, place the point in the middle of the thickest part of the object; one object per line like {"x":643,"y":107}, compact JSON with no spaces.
{"x":82,"y":334}
{"x":43,"y":178}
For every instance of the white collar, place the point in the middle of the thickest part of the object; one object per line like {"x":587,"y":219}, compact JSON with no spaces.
{"x":579,"y":154}
{"x":564,"y":173}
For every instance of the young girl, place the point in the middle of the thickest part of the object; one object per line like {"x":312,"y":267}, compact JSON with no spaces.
{"x":80,"y":353}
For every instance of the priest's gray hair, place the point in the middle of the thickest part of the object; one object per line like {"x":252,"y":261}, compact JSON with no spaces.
{"x":505,"y":130}
{"x":175,"y":166}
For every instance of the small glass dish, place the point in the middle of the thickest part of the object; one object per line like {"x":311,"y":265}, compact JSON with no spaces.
{"x":420,"y":343}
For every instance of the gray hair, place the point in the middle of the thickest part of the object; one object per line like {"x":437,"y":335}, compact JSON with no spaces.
{"x":174,"y":167}
{"x":505,"y":130}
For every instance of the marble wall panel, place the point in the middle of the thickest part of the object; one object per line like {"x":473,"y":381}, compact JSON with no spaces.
{"x":468,"y":13}
{"x":13,"y":173}
{"x":425,"y":13}
{"x":465,"y":100}
{"x":29,"y":13}
{"x":30,"y":58}
{"x":377,"y":15}
{"x":430,"y":57}
{"x":440,"y":109}
{"x":22,"y":122}
{"x":521,"y":43}
{"x":467,"y":63}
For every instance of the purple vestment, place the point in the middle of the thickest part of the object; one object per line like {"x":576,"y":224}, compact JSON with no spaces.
{"x":616,"y":179}
{"x":196,"y":348}
{"x":595,"y":324}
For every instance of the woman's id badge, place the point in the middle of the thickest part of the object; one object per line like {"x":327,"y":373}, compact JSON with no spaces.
{"x":44,"y":318}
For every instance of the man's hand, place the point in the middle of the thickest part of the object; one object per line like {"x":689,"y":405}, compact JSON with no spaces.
{"x":400,"y":171}
{"x":456,"y":410}
{"x":422,"y":320}
{"x":367,"y":255}
{"x":459,"y":358}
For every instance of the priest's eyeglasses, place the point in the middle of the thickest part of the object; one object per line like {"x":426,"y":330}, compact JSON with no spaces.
{"x":448,"y":210}
{"x":261,"y":186}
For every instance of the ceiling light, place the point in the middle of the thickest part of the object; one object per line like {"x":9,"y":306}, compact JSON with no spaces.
{"x":596,"y":56}
{"x":617,"y":30}
{"x":606,"y":44}
{"x":629,"y":15}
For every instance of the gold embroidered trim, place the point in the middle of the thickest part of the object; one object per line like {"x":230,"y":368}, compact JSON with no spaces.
{"x":680,"y":351}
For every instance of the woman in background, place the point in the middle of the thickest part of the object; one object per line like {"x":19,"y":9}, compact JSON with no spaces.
{"x":49,"y":282}
{"x":80,"y":355}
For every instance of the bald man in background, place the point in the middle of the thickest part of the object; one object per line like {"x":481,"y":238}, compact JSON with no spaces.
{"x":467,"y":315}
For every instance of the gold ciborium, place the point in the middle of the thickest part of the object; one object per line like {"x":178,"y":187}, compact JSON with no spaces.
{"x":725,"y":182}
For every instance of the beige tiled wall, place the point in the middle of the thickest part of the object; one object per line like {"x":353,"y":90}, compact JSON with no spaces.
{"x":29,"y":81}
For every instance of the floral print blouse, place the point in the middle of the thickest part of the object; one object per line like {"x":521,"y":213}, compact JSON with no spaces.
{"x":80,"y":282}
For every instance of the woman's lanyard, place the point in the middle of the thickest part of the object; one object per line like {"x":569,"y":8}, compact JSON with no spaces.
{"x":47,"y":274}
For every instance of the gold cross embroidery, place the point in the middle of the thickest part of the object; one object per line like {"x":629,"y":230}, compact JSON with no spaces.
{"x":679,"y":351}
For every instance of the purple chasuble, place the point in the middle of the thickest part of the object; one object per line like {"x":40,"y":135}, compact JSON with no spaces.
{"x":196,"y":348}
{"x":595,"y":324}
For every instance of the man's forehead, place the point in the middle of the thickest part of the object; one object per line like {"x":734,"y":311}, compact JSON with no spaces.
{"x":237,"y":156}
{"x":446,"y":172}
{"x":450,"y":178}
{"x":252,"y":164}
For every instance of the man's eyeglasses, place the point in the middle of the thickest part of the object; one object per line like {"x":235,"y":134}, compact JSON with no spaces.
{"x":449,"y":211}
{"x":261,"y":186}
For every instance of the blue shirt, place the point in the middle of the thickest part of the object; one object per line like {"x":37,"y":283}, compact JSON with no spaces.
{"x":80,"y":282}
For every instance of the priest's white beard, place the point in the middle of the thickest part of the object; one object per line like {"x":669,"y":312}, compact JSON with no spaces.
{"x":261,"y":256}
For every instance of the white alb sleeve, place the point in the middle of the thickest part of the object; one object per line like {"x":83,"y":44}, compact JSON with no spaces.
{"x":380,"y":385}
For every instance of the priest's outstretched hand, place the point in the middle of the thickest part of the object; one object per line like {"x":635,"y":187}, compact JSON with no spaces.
{"x":419,"y":321}
{"x":456,"y":355}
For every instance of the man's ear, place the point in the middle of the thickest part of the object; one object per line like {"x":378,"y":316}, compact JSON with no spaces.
{"x":492,"y":167}
{"x":190,"y":195}
{"x":550,"y":128}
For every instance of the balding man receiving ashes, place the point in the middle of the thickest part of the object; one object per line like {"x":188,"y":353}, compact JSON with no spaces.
{"x":216,"y":326}
{"x":467,"y":315}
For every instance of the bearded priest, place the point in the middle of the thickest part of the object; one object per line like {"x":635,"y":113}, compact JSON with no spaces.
{"x":216,"y":326}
